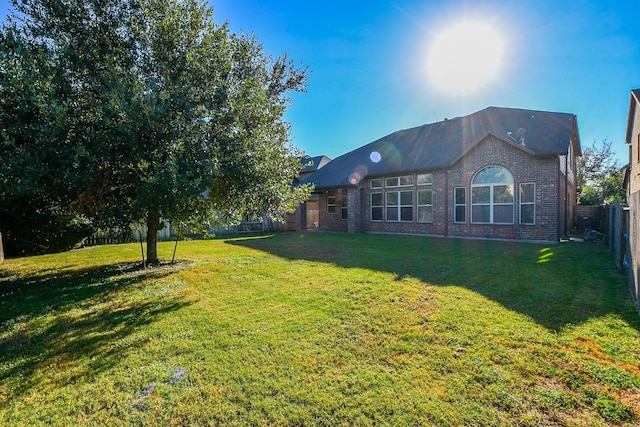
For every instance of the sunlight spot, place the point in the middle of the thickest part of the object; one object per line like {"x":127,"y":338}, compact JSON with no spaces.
{"x":375,"y":157}
{"x":545,"y":255}
{"x":354,"y":178}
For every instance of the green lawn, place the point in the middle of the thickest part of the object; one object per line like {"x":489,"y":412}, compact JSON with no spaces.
{"x":320,"y":329}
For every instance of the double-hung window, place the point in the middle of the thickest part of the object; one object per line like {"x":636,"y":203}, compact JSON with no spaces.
{"x":460,"y":205}
{"x":425,"y":205}
{"x":376,"y":207}
{"x":527,"y":203}
{"x":492,"y":196}
{"x":344,"y":208}
{"x":399,"y":205}
{"x":331,"y":204}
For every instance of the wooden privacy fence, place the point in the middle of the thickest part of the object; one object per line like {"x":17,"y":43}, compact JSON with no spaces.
{"x":610,"y":225}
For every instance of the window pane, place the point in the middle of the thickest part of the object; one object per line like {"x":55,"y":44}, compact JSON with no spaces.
{"x":460,"y":214}
{"x":503,"y":214}
{"x":392,"y":214}
{"x":376,"y":214}
{"x":406,"y":198}
{"x":503,"y":194}
{"x":392,"y":182}
{"x":527,"y":214}
{"x":480,"y":195}
{"x":425,"y":214}
{"x":493,"y":175}
{"x":406,"y":214}
{"x":376,"y":183}
{"x":376,"y":199}
{"x":406,"y":180}
{"x":460,"y":196}
{"x":344,"y":213}
{"x":392,"y":198}
{"x":426,"y":178}
{"x":331,"y":204}
{"x":480,"y":214}
{"x":424,"y":197}
{"x":526,"y":193}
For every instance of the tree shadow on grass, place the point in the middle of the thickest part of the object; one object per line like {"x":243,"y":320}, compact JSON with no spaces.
{"x":84,"y":323}
{"x":555,"y":285}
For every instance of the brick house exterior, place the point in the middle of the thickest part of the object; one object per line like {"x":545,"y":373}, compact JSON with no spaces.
{"x":633,"y":194}
{"x":495,"y":174}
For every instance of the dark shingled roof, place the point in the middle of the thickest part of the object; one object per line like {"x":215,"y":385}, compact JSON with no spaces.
{"x":439,"y":145}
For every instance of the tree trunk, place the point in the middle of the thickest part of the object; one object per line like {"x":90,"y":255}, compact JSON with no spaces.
{"x":153,"y":224}
{"x":1,"y":249}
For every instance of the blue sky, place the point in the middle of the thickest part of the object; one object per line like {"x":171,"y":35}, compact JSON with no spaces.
{"x":369,"y":78}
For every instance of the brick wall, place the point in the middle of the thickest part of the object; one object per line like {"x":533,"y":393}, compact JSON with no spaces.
{"x":525,"y":168}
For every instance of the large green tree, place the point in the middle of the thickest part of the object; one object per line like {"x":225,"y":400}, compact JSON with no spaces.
{"x":128,"y":110}
{"x":599,"y":175}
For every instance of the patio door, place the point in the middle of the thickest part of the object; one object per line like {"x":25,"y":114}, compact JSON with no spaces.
{"x":313,"y":214}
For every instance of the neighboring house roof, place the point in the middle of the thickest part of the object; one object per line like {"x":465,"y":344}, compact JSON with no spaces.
{"x":440,"y":145}
{"x":312,"y":164}
{"x":633,"y":101}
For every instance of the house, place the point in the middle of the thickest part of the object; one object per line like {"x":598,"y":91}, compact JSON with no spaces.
{"x":309,"y":166}
{"x":499,"y":173}
{"x":632,"y":183}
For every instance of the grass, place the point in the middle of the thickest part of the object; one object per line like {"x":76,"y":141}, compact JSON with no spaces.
{"x":320,"y":329}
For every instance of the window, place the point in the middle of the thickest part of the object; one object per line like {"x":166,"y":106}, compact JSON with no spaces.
{"x":331,"y":204}
{"x":527,"y":203}
{"x":425,"y":179}
{"x":376,"y":183}
{"x":460,"y":205}
{"x":492,"y":196}
{"x":425,"y":205}
{"x":399,"y":181}
{"x":376,"y":206}
{"x":344,"y":208}
{"x":399,"y":205}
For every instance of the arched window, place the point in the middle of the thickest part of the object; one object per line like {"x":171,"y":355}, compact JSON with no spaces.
{"x":492,"y":196}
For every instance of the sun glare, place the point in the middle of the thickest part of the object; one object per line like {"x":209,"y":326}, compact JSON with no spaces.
{"x":465,"y":57}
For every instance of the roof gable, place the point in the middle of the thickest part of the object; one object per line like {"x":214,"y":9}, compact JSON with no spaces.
{"x":633,"y":103}
{"x":439,"y":145}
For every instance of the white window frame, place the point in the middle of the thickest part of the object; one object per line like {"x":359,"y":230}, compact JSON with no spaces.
{"x":426,"y":178}
{"x":492,"y":204}
{"x":330,"y":205}
{"x":400,"y":181}
{"x":372,"y":206}
{"x":429,"y":206}
{"x":531,"y":203}
{"x":457,"y":204}
{"x":399,"y":207}
{"x":344,"y":209}
{"x":372,"y":183}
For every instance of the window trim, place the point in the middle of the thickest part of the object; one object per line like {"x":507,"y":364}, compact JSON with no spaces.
{"x":399,"y":181}
{"x":344,"y":207}
{"x":430,"y":175}
{"x":399,"y":207}
{"x":532,"y":203}
{"x":457,"y":205}
{"x":371,"y":206}
{"x":492,"y":204}
{"x":330,"y":205}
{"x":418,"y":205}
